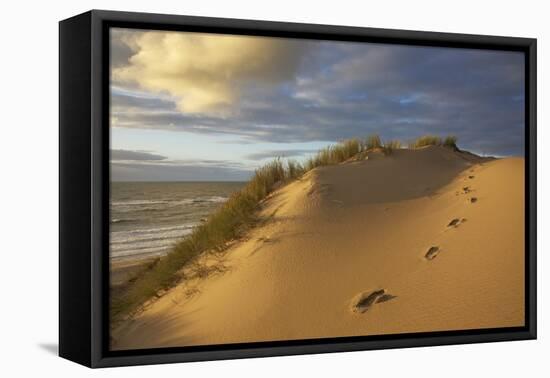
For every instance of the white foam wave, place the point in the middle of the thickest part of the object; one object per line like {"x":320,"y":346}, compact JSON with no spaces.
{"x":137,"y":202}
{"x":153,"y":204}
{"x":153,"y":251}
{"x":122,"y":220}
{"x":154,"y":230}
{"x":144,"y":241}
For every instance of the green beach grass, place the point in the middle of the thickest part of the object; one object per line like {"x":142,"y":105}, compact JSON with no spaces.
{"x":433,"y":140}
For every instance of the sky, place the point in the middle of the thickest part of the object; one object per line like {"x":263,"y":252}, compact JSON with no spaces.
{"x":206,"y":107}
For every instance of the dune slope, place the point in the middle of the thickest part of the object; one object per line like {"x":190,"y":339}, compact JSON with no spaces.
{"x":421,"y":240}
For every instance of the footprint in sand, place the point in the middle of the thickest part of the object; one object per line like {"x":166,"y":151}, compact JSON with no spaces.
{"x":363,"y":301}
{"x":456,"y":222}
{"x":432,"y":253}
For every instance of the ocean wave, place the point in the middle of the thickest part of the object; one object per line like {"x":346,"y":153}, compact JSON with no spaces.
{"x":123,"y":220}
{"x":137,"y":202}
{"x":157,"y":240}
{"x":148,"y":203}
{"x":155,"y":230}
{"x":134,"y":239}
{"x":153,"y":251}
{"x":145,"y":244}
{"x":215,"y":199}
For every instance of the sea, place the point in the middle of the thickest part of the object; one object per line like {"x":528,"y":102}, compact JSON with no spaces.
{"x":147,"y":218}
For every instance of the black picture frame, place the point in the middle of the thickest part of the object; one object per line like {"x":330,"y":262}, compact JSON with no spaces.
{"x":84,"y":187}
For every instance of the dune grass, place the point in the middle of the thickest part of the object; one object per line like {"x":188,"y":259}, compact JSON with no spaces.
{"x":450,"y":142}
{"x":390,"y":146}
{"x":425,"y":140}
{"x":433,"y":140}
{"x":334,"y":154}
{"x":372,"y":142}
{"x":239,"y":213}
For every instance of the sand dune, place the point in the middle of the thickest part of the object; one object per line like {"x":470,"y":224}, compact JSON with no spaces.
{"x":421,"y":240}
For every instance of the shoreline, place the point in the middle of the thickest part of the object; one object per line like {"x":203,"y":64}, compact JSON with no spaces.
{"x":123,"y":270}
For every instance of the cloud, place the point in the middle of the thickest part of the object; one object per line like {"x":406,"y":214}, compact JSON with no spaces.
{"x":327,"y":91}
{"x":129,"y":155}
{"x":122,"y":46}
{"x":205,"y":73}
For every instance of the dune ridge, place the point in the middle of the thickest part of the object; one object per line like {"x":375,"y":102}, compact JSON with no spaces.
{"x":420,"y":240}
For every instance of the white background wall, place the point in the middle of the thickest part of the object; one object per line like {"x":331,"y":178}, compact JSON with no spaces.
{"x":29,"y":189}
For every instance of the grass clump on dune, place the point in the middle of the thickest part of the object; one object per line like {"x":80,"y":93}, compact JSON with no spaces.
{"x":433,"y":140}
{"x":372,"y":142}
{"x":294,"y":169}
{"x":450,"y":142}
{"x":425,"y":140}
{"x":391,"y":146}
{"x":334,"y":154}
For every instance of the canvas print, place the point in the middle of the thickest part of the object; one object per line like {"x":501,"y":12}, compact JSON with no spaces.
{"x":267,"y":189}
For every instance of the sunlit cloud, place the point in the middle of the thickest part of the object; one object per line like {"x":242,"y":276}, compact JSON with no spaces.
{"x":206,"y":72}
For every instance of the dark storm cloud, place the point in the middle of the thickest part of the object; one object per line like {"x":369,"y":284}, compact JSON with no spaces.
{"x":120,"y":53}
{"x":344,"y":90}
{"x":121,"y":46}
{"x":134,"y":155}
